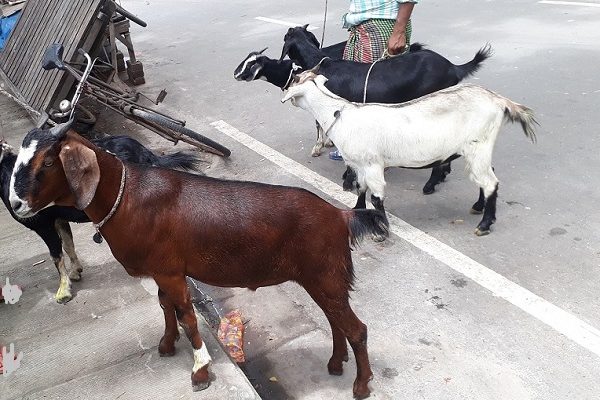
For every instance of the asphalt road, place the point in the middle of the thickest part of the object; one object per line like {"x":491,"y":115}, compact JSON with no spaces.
{"x":418,"y":307}
{"x":513,"y":315}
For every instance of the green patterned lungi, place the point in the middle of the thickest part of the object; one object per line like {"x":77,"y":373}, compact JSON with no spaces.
{"x":369,"y":40}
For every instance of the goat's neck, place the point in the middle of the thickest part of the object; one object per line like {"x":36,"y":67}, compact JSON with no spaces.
{"x":108,"y":187}
{"x":307,"y":55}
{"x":276,"y":72}
{"x":323,"y":107}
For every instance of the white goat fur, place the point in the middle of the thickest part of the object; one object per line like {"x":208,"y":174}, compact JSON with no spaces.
{"x":464,"y":119}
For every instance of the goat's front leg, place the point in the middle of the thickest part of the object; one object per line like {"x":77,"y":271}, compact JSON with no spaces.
{"x":175,"y":288}
{"x":316,"y":150}
{"x":52,"y":239}
{"x":64,"y":230}
{"x":166,"y":347}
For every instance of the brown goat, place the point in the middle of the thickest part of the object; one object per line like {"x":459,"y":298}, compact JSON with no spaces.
{"x":168,"y":225}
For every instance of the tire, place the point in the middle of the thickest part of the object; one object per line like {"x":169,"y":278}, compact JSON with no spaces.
{"x":186,"y":135}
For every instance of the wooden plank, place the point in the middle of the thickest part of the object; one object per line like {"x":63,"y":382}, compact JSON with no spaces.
{"x":12,"y":39}
{"x":64,"y":82}
{"x":43,"y":22}
{"x":83,"y":17}
{"x":54,"y":33}
{"x":19,"y":40}
{"x":21,"y":46}
{"x":33,"y":77}
{"x":34,"y":34}
{"x":87,"y":15}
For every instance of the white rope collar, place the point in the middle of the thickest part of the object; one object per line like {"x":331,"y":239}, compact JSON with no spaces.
{"x":384,"y":56}
{"x":98,"y":235}
{"x":294,"y":68}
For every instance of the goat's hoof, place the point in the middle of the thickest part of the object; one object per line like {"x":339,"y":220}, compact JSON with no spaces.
{"x":200,"y":379}
{"x":335,"y":372}
{"x":361,"y":390}
{"x":475,"y":211}
{"x":379,"y":238}
{"x":329,"y":143}
{"x":170,"y":353}
{"x":63,"y":296}
{"x":200,"y":386}
{"x":335,"y":367}
{"x":166,"y":348}
{"x":75,"y":275}
{"x":316,"y":151}
{"x":428,"y":189}
{"x":482,"y":231}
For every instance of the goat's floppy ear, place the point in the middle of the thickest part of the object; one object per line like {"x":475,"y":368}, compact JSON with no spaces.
{"x":291,"y":92}
{"x":82,"y":172}
{"x":286,"y":49}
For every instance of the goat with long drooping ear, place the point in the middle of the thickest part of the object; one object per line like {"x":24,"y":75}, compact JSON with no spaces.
{"x":393,"y":80}
{"x":459,"y":121}
{"x":52,"y":223}
{"x":224,"y":233}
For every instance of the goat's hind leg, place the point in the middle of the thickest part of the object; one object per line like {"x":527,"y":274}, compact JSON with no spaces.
{"x":489,"y":214}
{"x":64,"y":230}
{"x":438,"y":175}
{"x":334,"y":303}
{"x":376,"y":182}
{"x":166,"y":347}
{"x":482,"y":174}
{"x":176,"y":289}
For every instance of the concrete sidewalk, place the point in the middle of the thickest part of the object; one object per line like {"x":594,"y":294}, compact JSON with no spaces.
{"x":102,"y":344}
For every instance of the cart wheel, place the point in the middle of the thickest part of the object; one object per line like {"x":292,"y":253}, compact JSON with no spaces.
{"x":184,"y":134}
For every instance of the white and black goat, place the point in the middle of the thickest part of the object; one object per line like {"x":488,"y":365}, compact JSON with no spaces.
{"x":393,"y":80}
{"x":459,"y":121}
{"x":52,"y":223}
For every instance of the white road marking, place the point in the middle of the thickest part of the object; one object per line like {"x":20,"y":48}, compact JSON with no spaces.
{"x":285,"y":23}
{"x":569,"y":3}
{"x":560,"y":320}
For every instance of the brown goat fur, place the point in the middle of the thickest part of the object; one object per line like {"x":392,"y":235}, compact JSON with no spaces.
{"x":172,"y":224}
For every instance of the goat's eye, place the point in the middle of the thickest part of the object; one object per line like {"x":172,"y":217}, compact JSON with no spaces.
{"x":48,"y":163}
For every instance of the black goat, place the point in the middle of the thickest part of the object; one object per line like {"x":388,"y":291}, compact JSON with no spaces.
{"x":393,"y":80}
{"x":277,"y":72}
{"x":52,"y":223}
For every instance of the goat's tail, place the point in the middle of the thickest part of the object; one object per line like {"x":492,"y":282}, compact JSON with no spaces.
{"x":417,"y":46}
{"x":515,"y":112}
{"x":464,"y":70}
{"x":180,"y":160}
{"x":362,"y":222}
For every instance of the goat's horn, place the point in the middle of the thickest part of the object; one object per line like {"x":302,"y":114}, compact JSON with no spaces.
{"x":305,"y":26}
{"x":263,"y":50}
{"x":61,"y":129}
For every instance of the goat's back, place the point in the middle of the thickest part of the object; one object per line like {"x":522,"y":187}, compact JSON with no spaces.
{"x":394,"y":80}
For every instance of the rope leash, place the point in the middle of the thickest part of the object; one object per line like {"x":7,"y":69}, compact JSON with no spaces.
{"x":384,"y":56}
{"x":324,"y":24}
